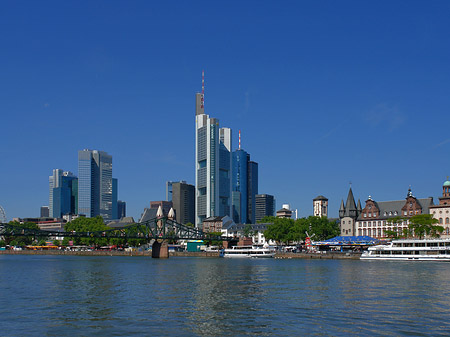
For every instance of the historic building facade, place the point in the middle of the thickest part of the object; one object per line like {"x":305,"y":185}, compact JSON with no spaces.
{"x":378,"y":217}
{"x":441,"y":212}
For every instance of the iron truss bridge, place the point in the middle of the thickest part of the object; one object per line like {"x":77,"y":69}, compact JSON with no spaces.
{"x":157,"y":228}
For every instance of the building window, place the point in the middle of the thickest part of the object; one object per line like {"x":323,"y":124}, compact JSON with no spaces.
{"x":343,"y":222}
{"x":370,"y":215}
{"x":365,"y":215}
{"x":440,"y":220}
{"x":405,"y":213}
{"x":446,"y":220}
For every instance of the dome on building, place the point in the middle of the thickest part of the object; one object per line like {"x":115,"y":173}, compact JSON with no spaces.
{"x":447,"y":183}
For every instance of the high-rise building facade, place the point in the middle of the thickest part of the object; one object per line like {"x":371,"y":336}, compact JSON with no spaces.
{"x":252,"y":189}
{"x":63,"y":193}
{"x":121,"y":209}
{"x":213,"y":165}
{"x":183,"y":199}
{"x":244,"y":186}
{"x":96,"y":193}
{"x":264,"y":206}
{"x":239,"y":186}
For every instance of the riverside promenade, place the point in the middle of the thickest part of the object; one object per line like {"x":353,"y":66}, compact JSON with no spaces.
{"x":326,"y":255}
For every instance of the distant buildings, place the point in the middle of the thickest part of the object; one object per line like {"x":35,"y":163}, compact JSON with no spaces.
{"x":264,"y":206}
{"x":97,"y":192}
{"x":285,"y":212}
{"x":165,"y":206}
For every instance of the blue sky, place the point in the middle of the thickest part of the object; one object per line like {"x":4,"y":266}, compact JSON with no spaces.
{"x":324,"y":93}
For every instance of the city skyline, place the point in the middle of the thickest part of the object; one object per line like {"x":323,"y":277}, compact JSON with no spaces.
{"x":324,"y":94}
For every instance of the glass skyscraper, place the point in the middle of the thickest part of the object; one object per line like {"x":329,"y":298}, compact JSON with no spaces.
{"x":213,"y":166}
{"x":96,"y":193}
{"x":239,"y":186}
{"x":63,"y":191}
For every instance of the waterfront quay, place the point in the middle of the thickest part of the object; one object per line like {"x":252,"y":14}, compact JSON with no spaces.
{"x":209,"y":254}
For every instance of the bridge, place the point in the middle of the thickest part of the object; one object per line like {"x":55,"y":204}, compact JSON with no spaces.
{"x":160,"y":229}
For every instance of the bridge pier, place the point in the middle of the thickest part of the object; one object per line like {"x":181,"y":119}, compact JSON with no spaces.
{"x":160,"y":250}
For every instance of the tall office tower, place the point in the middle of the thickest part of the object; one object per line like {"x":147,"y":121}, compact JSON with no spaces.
{"x":239,"y":186}
{"x":95,"y":184}
{"x":114,"y":212}
{"x":121,"y":209}
{"x":252,"y":189}
{"x":63,"y":190}
{"x":213,"y":165}
{"x":169,"y":188}
{"x":264,"y":206}
{"x":45,"y":212}
{"x":225,"y":167}
{"x":183,"y":198}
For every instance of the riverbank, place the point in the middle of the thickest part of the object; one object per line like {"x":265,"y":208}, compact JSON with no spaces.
{"x":327,"y":255}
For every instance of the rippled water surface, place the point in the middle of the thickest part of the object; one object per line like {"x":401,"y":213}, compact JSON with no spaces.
{"x":123,"y":296}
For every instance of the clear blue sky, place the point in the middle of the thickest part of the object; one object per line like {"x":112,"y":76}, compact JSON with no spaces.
{"x":325,"y":92}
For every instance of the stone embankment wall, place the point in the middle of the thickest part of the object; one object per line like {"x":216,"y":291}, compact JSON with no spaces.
{"x":328,"y":255}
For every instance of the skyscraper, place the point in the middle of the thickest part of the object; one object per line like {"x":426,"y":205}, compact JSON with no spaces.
{"x":213,"y":164}
{"x":252,"y":189}
{"x":95,"y":184}
{"x":244,"y":186}
{"x":183,"y":198}
{"x":239,"y":186}
{"x":63,"y":193}
{"x":264,"y":206}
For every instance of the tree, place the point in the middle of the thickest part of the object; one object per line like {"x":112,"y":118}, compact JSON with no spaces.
{"x":280,"y":230}
{"x":88,"y":225}
{"x":56,"y":242}
{"x":21,"y":240}
{"x":248,"y":231}
{"x":189,"y":224}
{"x":425,"y":224}
{"x":215,"y":242}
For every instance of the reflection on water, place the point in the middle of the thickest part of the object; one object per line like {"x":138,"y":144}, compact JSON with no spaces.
{"x":72,"y":295}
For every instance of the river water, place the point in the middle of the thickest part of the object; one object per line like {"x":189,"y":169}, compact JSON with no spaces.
{"x":139,"y":296}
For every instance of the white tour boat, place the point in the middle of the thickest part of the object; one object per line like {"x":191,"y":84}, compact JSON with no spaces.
{"x":410,"y":250}
{"x":248,"y":251}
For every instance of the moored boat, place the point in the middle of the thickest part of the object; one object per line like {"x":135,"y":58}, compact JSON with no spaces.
{"x":410,"y":250}
{"x":248,"y":252}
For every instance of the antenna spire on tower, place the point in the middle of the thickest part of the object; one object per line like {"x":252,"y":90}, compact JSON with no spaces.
{"x":203,"y":89}
{"x":239,"y":139}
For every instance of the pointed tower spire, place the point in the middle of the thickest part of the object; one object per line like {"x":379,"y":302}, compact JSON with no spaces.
{"x":171,"y":214}
{"x":342,"y":209}
{"x":159,"y":213}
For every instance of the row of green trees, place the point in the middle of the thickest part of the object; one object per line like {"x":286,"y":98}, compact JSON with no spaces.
{"x":287,"y":231}
{"x":96,"y":225}
{"x":419,"y":225}
{"x":78,"y":225}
